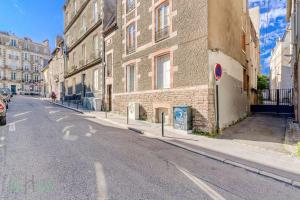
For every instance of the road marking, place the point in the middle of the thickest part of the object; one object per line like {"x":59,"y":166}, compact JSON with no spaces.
{"x":92,"y":130}
{"x":88,"y":134}
{"x":54,"y":111}
{"x":70,"y":137}
{"x":2,"y":138}
{"x":24,"y":113}
{"x":12,"y":127}
{"x":201,"y":184}
{"x":67,"y":128}
{"x":60,"y":119}
{"x":100,"y":181}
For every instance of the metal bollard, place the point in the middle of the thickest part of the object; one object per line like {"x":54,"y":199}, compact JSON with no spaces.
{"x":77,"y":105}
{"x":105,"y":109}
{"x":69,"y":103}
{"x":163,"y":124}
{"x":127,"y":115}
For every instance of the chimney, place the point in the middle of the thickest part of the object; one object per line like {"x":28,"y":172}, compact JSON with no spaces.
{"x":46,"y":43}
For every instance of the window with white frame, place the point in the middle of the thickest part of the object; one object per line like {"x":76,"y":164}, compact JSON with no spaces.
{"x":130,"y":78}
{"x":163,"y":72}
{"x":26,"y":77}
{"x":130,"y":5}
{"x":95,"y":11}
{"x":96,"y":79}
{"x":13,"y":75}
{"x":162,"y":21}
{"x":130,"y":41}
{"x":83,"y":22}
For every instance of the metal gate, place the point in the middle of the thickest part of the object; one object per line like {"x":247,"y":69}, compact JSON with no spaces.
{"x":274,"y":101}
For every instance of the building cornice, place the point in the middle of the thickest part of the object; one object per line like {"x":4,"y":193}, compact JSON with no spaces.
{"x":84,"y":67}
{"x":76,"y":16}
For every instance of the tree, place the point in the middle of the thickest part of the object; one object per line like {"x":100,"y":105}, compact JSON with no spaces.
{"x":262,"y":82}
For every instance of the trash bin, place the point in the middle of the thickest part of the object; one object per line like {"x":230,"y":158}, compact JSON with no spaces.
{"x":182,"y":117}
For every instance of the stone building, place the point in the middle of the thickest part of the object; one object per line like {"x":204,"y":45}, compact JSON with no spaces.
{"x":83,"y":37}
{"x":21,"y":62}
{"x":281,"y":70}
{"x":293,"y":17}
{"x":55,"y":71}
{"x":162,"y":53}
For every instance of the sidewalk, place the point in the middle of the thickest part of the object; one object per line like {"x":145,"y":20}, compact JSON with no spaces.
{"x":273,"y":164}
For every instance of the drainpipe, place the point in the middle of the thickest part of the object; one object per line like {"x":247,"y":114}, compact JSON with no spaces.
{"x":104,"y":74}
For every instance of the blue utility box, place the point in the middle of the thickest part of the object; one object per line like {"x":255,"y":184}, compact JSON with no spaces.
{"x":182,"y":117}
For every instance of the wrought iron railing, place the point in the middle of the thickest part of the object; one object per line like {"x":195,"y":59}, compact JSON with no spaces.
{"x":275,"y":97}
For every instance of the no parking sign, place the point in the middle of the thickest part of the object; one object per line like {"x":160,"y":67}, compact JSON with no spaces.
{"x":218,"y":72}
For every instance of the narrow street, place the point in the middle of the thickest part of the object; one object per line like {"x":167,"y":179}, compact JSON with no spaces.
{"x":48,"y":152}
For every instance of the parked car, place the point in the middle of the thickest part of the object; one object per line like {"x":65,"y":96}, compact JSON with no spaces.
{"x":9,"y":91}
{"x":2,"y":113}
{"x":4,"y":92}
{"x":3,"y":98}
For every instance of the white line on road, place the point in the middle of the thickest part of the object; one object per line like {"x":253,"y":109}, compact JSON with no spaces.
{"x":100,"y":181}
{"x":54,"y":111}
{"x":67,"y":128}
{"x":60,"y":119}
{"x":24,"y":113}
{"x":12,"y":127}
{"x":201,"y":184}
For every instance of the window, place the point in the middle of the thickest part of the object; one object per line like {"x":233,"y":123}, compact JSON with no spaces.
{"x":163,"y":72}
{"x":95,"y":11}
{"x":243,"y":41}
{"x":96,"y":79}
{"x":75,"y":6}
{"x":96,"y":46}
{"x":13,"y":76}
{"x":162,"y":21}
{"x":83,"y":53}
{"x":74,"y":85}
{"x":130,"y":78}
{"x":26,"y":77}
{"x":83,"y":23}
{"x":25,"y":56}
{"x":13,"y":43}
{"x":109,"y":60}
{"x":131,"y":38}
{"x":245,"y":80}
{"x":26,"y":47}
{"x":130,"y":5}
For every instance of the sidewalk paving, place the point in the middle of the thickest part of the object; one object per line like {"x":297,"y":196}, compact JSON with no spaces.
{"x":265,"y":161}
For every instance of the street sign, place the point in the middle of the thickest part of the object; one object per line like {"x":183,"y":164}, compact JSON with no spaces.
{"x":218,"y":72}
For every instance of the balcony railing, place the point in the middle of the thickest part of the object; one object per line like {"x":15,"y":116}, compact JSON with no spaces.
{"x":162,"y":34}
{"x":130,"y":49}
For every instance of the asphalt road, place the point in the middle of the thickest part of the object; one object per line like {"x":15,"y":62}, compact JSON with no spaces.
{"x":48,"y":152}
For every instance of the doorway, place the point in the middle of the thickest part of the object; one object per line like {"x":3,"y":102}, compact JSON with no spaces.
{"x":13,"y":89}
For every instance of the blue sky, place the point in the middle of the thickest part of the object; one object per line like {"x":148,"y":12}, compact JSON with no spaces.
{"x":272,"y":27}
{"x":39,"y":21}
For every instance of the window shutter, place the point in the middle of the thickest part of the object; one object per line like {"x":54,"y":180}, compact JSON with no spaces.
{"x":167,"y":74}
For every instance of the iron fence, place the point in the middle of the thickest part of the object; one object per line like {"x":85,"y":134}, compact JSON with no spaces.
{"x":276,"y":97}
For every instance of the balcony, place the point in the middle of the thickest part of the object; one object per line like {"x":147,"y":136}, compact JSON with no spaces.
{"x":162,"y":34}
{"x":130,"y":49}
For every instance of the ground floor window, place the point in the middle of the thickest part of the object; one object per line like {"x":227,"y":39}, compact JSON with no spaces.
{"x":130,"y":78}
{"x":163,"y":72}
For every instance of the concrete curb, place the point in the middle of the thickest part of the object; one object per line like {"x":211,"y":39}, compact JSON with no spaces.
{"x":74,"y":109}
{"x":276,"y":177}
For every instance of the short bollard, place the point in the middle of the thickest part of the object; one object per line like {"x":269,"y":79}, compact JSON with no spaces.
{"x":69,"y":103}
{"x":127,"y":115}
{"x":105,"y":112}
{"x":162,"y":124}
{"x":77,"y":105}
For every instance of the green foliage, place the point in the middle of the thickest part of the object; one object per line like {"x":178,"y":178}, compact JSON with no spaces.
{"x":262,"y":82}
{"x":207,"y":134}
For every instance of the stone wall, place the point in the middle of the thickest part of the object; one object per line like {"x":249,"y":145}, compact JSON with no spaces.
{"x":199,"y":97}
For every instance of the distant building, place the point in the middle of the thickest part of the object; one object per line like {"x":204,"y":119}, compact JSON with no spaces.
{"x":21,"y":62}
{"x":55,"y":70}
{"x":281,"y":69}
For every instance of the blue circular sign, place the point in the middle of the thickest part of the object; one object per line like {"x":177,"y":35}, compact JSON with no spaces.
{"x":218,"y":72}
